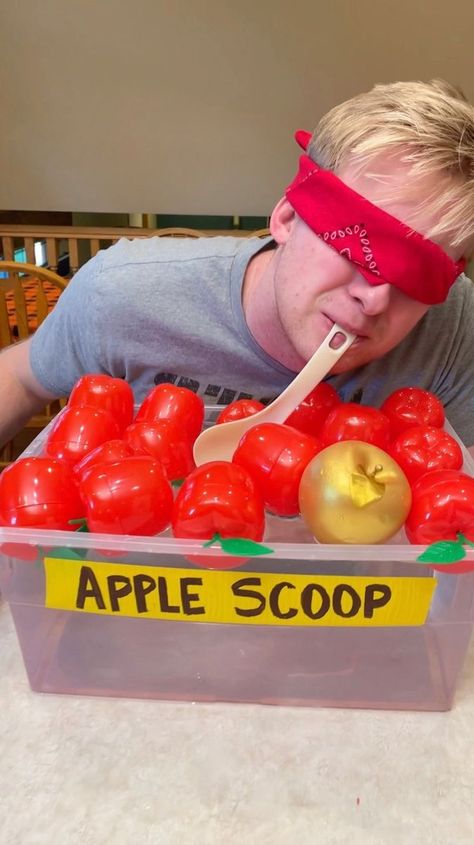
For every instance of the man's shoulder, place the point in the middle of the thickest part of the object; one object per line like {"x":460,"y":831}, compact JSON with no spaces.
{"x":459,"y":306}
{"x":464,"y":283}
{"x":462,"y":291}
{"x":168,"y":250}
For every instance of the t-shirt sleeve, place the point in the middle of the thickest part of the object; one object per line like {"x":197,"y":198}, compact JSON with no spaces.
{"x":68,"y":343}
{"x":456,"y":384}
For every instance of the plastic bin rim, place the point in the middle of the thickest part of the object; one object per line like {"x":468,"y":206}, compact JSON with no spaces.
{"x":171,"y":546}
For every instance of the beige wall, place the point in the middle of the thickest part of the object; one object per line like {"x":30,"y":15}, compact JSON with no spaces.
{"x":178,"y":106}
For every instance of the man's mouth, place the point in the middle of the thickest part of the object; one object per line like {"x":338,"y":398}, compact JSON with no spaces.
{"x":339,"y":337}
{"x":337,"y":340}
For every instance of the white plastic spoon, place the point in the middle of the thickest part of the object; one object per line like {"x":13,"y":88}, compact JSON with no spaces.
{"x":219,"y":442}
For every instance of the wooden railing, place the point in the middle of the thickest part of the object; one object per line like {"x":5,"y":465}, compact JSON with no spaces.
{"x":81,"y":243}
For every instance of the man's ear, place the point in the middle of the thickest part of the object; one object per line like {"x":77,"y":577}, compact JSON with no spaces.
{"x":281,"y":221}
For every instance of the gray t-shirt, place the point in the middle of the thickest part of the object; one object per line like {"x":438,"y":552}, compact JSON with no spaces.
{"x":163,"y":309}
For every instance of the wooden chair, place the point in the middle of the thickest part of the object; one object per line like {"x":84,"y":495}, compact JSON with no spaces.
{"x":260,"y":233}
{"x":27,"y":294}
{"x":179,"y":232}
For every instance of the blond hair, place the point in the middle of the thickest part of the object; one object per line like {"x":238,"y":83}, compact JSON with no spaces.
{"x":429,"y":126}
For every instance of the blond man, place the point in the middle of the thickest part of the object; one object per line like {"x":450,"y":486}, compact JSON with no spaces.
{"x":373,"y":234}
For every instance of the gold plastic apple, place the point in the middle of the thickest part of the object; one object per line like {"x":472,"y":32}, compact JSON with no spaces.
{"x":353,"y":492}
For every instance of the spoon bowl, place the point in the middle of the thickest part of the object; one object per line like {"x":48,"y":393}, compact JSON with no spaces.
{"x":219,"y":442}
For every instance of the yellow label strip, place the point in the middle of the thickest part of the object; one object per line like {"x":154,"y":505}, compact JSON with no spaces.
{"x":244,"y":598}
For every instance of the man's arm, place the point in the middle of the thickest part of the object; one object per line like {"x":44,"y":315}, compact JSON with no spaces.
{"x":21,"y":395}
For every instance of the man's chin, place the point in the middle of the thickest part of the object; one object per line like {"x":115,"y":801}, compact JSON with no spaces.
{"x":351,"y":360}
{"x":354,"y":357}
{"x":343,"y":367}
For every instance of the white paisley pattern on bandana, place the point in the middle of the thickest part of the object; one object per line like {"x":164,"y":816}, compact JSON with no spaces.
{"x":359,"y":231}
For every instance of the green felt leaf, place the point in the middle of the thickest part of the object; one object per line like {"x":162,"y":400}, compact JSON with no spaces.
{"x":244,"y":547}
{"x":215,"y":539}
{"x":445,"y":551}
{"x":240,"y":546}
{"x":69,"y":554}
{"x":177,"y":482}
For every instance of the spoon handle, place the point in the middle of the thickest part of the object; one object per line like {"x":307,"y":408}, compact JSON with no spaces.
{"x":322,"y":360}
{"x":219,"y":442}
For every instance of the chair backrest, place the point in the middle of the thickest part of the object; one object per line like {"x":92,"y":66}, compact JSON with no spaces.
{"x":27,"y":294}
{"x":179,"y":232}
{"x":260,"y":233}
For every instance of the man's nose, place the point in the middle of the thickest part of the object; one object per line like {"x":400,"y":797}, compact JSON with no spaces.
{"x":374,"y":299}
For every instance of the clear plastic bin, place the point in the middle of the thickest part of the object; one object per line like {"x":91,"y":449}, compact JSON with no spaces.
{"x":410,"y":666}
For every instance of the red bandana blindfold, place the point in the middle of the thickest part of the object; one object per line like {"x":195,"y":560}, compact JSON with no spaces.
{"x":383,"y":248}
